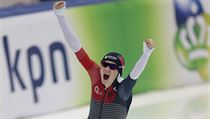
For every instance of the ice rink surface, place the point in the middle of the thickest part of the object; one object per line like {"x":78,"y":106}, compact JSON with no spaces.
{"x":190,"y":102}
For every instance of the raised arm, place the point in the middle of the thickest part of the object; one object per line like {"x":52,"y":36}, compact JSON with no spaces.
{"x":125,"y":89}
{"x":148,"y":46}
{"x":70,"y":36}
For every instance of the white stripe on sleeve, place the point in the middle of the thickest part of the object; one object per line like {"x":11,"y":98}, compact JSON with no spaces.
{"x":141,"y":63}
{"x":69,"y":35}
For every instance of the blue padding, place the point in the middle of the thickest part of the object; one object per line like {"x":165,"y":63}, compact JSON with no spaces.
{"x":42,"y":6}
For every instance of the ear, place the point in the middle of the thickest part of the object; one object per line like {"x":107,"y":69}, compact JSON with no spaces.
{"x":119,"y":78}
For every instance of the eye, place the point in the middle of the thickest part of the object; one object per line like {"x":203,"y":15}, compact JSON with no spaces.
{"x":113,"y":66}
{"x":104,"y":64}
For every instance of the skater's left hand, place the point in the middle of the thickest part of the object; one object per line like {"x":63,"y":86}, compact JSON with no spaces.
{"x":150,"y":43}
{"x":148,"y":46}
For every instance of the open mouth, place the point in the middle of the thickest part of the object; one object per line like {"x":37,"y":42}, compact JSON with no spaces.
{"x":106,"y":76}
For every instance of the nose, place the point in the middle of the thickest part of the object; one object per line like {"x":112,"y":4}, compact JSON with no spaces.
{"x":107,"y":68}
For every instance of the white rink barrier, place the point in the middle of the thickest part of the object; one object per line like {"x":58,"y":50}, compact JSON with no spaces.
{"x":36,"y":66}
{"x":187,"y":102}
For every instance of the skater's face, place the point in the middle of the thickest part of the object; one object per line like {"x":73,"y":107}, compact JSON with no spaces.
{"x":108,"y":72}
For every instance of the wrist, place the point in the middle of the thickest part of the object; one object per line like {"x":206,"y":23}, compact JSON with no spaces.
{"x":147,"y":51}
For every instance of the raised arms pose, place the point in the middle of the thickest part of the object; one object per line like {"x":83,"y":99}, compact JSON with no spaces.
{"x":111,"y":94}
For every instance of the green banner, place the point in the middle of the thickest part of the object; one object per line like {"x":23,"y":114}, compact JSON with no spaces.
{"x":122,"y":26}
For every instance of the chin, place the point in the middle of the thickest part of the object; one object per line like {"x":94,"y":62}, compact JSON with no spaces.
{"x":105,"y":81}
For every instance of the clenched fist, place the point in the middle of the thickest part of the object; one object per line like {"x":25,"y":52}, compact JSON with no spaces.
{"x":59,"y":7}
{"x":150,"y":43}
{"x":149,"y":46}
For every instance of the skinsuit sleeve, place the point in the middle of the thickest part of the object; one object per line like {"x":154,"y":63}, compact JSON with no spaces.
{"x":72,"y":39}
{"x":125,"y":88}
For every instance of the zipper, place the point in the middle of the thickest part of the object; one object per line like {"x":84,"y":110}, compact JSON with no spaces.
{"x":102,"y":104}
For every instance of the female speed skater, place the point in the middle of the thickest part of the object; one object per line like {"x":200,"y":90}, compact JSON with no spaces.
{"x":111,"y":94}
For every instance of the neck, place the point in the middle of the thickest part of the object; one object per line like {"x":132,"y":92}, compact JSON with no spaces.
{"x":107,"y":85}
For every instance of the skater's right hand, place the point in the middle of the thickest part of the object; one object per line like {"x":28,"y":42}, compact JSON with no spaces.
{"x":59,"y":7}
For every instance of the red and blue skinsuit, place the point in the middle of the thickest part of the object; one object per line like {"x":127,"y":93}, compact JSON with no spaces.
{"x":112,"y":102}
{"x":106,"y":103}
